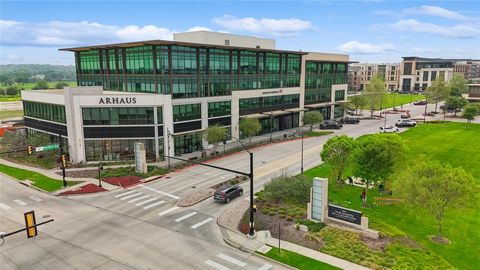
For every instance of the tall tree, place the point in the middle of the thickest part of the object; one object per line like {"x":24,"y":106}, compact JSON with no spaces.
{"x":358,"y":102}
{"x":458,"y":85}
{"x":469,"y":112}
{"x":377,"y":156}
{"x":435,"y":188}
{"x":438,"y":91}
{"x":250,"y":127}
{"x":336,"y":153}
{"x":215,"y":135}
{"x":374,"y":92}
{"x":41,"y":84}
{"x":311,"y":118}
{"x":455,"y":103}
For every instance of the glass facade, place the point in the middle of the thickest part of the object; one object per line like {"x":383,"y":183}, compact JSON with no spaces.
{"x":118,"y":116}
{"x":45,"y":111}
{"x":319,"y":78}
{"x":186,"y":112}
{"x":186,"y":72}
{"x":110,"y":150}
{"x":221,"y":108}
{"x":339,"y":95}
{"x":265,"y":104}
{"x":188,"y":143}
{"x":338,"y":111}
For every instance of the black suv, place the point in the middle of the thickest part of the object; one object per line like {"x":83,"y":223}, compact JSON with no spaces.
{"x":227,"y":193}
{"x":351,"y":120}
{"x":331,"y":124}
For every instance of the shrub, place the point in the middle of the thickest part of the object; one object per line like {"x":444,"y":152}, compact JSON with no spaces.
{"x":294,"y":189}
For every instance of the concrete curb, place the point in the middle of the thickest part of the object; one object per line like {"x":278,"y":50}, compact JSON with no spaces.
{"x":275,"y":261}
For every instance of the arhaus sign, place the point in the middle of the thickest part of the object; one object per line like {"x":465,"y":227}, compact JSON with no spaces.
{"x":114,"y":100}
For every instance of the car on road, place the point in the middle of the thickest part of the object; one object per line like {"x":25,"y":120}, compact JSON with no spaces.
{"x":331,"y":124}
{"x":420,"y":102}
{"x":388,"y":129}
{"x":405,"y":123}
{"x":405,"y":115}
{"x":350,"y":120}
{"x":227,"y":193}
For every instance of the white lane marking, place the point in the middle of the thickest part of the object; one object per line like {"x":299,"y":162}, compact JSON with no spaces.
{"x":146,"y":201}
{"x":186,"y":216}
{"x":153,"y":204}
{"x":169,"y":210}
{"x":20,"y":202}
{"x":5,"y":206}
{"x":232,"y":260}
{"x":131,"y":196}
{"x":216,"y":265}
{"x":161,"y":192}
{"x":203,"y":222}
{"x":207,"y":174}
{"x":138,"y":199}
{"x":35,"y":198}
{"x":125,"y":193}
{"x":265,"y":267}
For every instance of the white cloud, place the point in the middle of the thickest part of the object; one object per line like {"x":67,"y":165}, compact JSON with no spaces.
{"x":199,"y":28}
{"x":356,"y":47}
{"x":274,"y":27}
{"x":436,"y":12}
{"x":457,"y":31}
{"x":58,"y":33}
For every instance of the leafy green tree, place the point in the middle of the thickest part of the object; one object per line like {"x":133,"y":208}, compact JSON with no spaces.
{"x":435,"y":188}
{"x":458,"y":85}
{"x":336,"y":153}
{"x":469,"y":113}
{"x":311,"y":118}
{"x":374,"y":92}
{"x":41,"y":84}
{"x":250,"y":127}
{"x":377,"y":156}
{"x":358,"y":102}
{"x":215,"y":135}
{"x":438,"y":91}
{"x":294,"y":189}
{"x":60,"y":85}
{"x":455,"y":103}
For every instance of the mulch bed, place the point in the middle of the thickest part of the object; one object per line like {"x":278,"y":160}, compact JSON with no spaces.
{"x":123,"y":181}
{"x":88,"y":188}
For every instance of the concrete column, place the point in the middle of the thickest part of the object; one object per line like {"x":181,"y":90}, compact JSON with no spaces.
{"x":235,"y":110}
{"x":155,"y":120}
{"x":168,"y":126}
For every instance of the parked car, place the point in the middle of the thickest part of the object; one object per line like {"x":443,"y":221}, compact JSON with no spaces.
{"x":388,"y":129}
{"x":420,"y":102}
{"x":331,"y":124}
{"x":350,"y":120}
{"x":405,"y":115}
{"x":227,"y":193}
{"x":405,"y":123}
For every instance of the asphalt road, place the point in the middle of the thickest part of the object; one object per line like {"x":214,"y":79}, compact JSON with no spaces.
{"x":141,"y":227}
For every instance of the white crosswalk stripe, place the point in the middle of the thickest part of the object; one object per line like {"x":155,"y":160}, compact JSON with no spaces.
{"x":20,"y":202}
{"x":203,"y":222}
{"x":131,"y":196}
{"x":231,"y":259}
{"x":5,"y":206}
{"x":138,"y":199}
{"x":175,"y":197}
{"x":265,"y":267}
{"x":146,"y":201}
{"x":186,"y":216}
{"x":35,"y":198}
{"x":125,"y":193}
{"x":168,"y":211}
{"x":216,"y":265}
{"x":153,"y":204}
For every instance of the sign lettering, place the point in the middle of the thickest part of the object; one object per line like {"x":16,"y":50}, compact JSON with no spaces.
{"x":272,"y":92}
{"x":344,"y":214}
{"x":116,"y":100}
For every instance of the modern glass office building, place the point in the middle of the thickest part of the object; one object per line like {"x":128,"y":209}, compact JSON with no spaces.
{"x":166,"y":94}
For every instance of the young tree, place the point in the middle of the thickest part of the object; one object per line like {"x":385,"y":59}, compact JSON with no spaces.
{"x":358,"y":102}
{"x":311,"y":118}
{"x":377,"y":156}
{"x":39,"y":139}
{"x":42,"y":84}
{"x":250,"y":127}
{"x":374,"y":92}
{"x":458,"y":85}
{"x":455,"y":103}
{"x":469,"y":112}
{"x":438,"y":91}
{"x":436,"y":188}
{"x":60,"y":85}
{"x":336,"y":153}
{"x":215,"y":135}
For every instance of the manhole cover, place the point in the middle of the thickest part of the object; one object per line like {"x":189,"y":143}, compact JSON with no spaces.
{"x":193,"y":186}
{"x":46,"y":216}
{"x":168,"y":177}
{"x":264,"y":162}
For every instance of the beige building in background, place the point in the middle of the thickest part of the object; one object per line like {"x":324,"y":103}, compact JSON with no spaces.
{"x":361,"y":74}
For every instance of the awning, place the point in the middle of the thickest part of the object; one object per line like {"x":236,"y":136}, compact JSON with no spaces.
{"x":275,"y":113}
{"x":318,"y":105}
{"x":255,"y":115}
{"x":296,"y":110}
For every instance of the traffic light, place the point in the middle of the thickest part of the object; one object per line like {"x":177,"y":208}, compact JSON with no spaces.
{"x":30,"y":149}
{"x":254,"y":210}
{"x":30,"y":222}
{"x":64,"y":161}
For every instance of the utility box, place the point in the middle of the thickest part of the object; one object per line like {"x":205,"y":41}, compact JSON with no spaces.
{"x":140,"y":158}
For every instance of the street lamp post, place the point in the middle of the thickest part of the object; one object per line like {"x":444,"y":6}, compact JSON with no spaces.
{"x":168,"y":148}
{"x":301,"y":164}
{"x":100,"y":168}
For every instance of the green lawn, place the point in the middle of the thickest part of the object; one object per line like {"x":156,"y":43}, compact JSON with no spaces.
{"x":389,"y":100}
{"x":10,"y":98}
{"x":11,"y":114}
{"x":297,"y":260}
{"x":450,"y":143}
{"x":41,"y":181}
{"x":29,"y":86}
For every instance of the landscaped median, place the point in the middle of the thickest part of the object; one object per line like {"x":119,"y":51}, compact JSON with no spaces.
{"x":37,"y":180}
{"x":297,"y":260}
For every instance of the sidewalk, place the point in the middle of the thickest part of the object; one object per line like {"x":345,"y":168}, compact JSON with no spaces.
{"x":229,"y":219}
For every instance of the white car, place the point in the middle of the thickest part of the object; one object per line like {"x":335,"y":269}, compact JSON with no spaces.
{"x":388,"y":129}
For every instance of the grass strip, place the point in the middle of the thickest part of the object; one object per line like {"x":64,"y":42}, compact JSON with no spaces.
{"x":297,"y":260}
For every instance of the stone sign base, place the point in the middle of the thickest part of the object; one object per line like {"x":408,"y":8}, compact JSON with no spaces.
{"x":362,"y":229}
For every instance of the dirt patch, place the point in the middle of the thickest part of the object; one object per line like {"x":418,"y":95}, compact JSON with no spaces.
{"x":439,"y":240}
{"x":81,"y":173}
{"x":376,"y":244}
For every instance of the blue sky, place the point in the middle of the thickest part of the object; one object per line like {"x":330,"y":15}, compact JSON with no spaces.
{"x":367,"y":30}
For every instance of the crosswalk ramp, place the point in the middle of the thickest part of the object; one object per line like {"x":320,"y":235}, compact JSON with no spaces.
{"x":20,"y":202}
{"x":226,"y":262}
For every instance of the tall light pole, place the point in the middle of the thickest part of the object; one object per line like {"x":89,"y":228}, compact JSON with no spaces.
{"x":301,"y":164}
{"x":168,"y":148}
{"x":271,"y":125}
